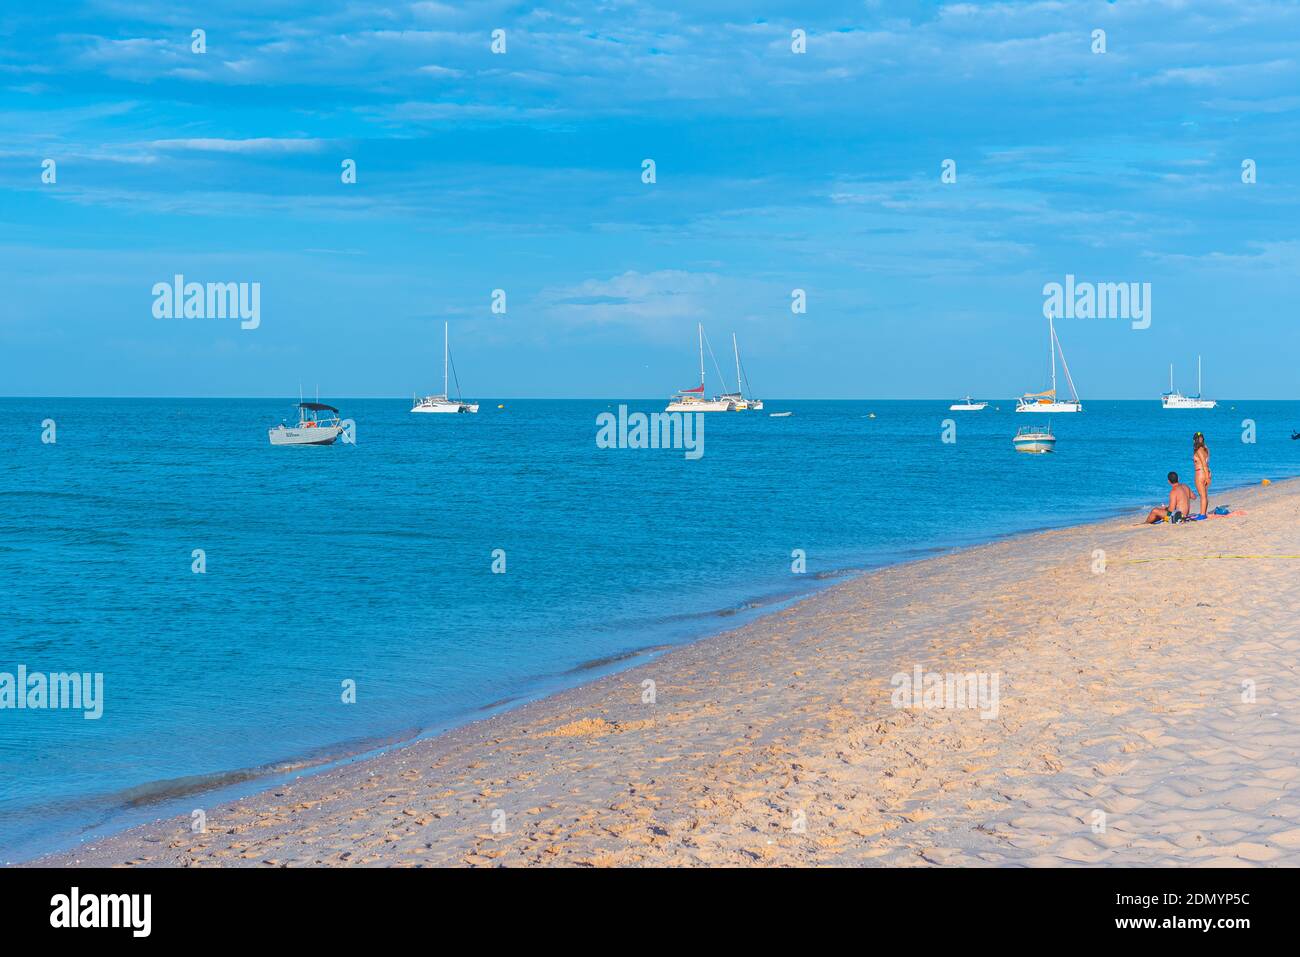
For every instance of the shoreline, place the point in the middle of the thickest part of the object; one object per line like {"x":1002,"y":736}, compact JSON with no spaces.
{"x":535,"y":714}
{"x":126,"y":810}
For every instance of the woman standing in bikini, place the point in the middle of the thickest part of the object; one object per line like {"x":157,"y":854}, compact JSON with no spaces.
{"x":1201,"y":460}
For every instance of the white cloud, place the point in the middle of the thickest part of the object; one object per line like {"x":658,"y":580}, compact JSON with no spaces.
{"x":256,"y":145}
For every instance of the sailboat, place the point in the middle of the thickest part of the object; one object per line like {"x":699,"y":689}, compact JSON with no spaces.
{"x":693,"y":400}
{"x":737,"y":398}
{"x":440,"y":403}
{"x":1176,"y":400}
{"x":1047,"y":401}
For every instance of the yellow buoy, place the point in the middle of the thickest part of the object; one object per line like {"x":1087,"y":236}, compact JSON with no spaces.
{"x":1266,"y":482}
{"x":502,"y":406}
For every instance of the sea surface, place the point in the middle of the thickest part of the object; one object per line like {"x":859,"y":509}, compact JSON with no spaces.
{"x":373,"y":563}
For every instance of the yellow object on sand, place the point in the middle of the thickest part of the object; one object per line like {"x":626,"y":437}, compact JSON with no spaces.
{"x":1266,"y":482}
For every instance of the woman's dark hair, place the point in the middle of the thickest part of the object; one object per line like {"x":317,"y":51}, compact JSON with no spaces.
{"x":1198,"y":441}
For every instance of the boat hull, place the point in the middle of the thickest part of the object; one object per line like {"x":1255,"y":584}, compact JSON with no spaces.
{"x":967,"y":407}
{"x":703,"y":405}
{"x":320,"y":435}
{"x":1183,"y":402}
{"x":1052,"y":407}
{"x":1035,"y":445}
{"x":443,"y":407}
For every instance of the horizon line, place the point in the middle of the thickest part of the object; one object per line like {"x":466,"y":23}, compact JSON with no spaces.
{"x":655,"y":398}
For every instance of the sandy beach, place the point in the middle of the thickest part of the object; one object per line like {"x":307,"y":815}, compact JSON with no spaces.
{"x":1147,"y":713}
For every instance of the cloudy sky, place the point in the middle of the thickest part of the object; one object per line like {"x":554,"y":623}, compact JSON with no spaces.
{"x":522,"y":171}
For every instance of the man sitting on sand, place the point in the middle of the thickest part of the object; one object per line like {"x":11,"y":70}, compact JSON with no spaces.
{"x":1180,"y":503}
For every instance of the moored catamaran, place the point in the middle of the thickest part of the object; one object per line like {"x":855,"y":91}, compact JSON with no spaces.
{"x":737,"y":399}
{"x":693,"y":400}
{"x":441,"y":403}
{"x":1176,"y":400}
{"x":1048,"y":401}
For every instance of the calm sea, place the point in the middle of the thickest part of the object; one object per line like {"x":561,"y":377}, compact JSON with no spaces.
{"x":373,"y":562}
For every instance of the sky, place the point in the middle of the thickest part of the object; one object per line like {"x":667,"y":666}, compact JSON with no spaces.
{"x":522,"y":171}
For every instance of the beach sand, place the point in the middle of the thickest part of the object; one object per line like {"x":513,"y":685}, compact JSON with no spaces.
{"x":1148,"y":714}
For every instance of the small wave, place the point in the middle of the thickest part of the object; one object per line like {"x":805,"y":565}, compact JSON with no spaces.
{"x":613,"y":659}
{"x":156,"y":792}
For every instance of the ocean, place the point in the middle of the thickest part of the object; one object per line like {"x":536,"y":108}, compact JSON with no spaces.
{"x":372,"y":565}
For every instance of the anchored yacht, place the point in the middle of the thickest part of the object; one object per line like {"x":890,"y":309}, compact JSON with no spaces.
{"x":441,"y":403}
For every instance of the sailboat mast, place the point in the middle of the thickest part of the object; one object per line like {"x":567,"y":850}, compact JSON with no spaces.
{"x":1171,"y":377}
{"x":1051,"y":349}
{"x":736,"y":349}
{"x":1198,"y":377}
{"x":445,"y":351}
{"x":700,"y":328}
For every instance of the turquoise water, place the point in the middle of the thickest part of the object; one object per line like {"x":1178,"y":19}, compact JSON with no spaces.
{"x":373,"y":562}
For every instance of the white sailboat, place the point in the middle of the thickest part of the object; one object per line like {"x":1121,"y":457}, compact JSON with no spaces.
{"x":441,"y":403}
{"x":1176,"y":400}
{"x":738,"y":401}
{"x":693,"y":400}
{"x":1047,"y":401}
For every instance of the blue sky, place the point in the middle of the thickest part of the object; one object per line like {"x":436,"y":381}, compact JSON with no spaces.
{"x":522,"y":171}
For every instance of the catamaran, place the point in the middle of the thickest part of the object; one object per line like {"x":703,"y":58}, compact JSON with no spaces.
{"x":1176,"y":400}
{"x":440,"y":403}
{"x":967,"y":405}
{"x":738,"y":401}
{"x":1047,"y":401}
{"x":318,"y":424}
{"x":693,"y":400}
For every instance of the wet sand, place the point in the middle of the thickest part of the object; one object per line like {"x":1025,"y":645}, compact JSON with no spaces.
{"x":1148,"y":713}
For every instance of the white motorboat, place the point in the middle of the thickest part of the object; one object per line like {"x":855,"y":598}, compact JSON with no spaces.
{"x":1035,"y":439}
{"x":1048,"y":401}
{"x":441,"y":403}
{"x":318,"y":424}
{"x":1176,"y":400}
{"x":693,"y":400}
{"x":967,"y":405}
